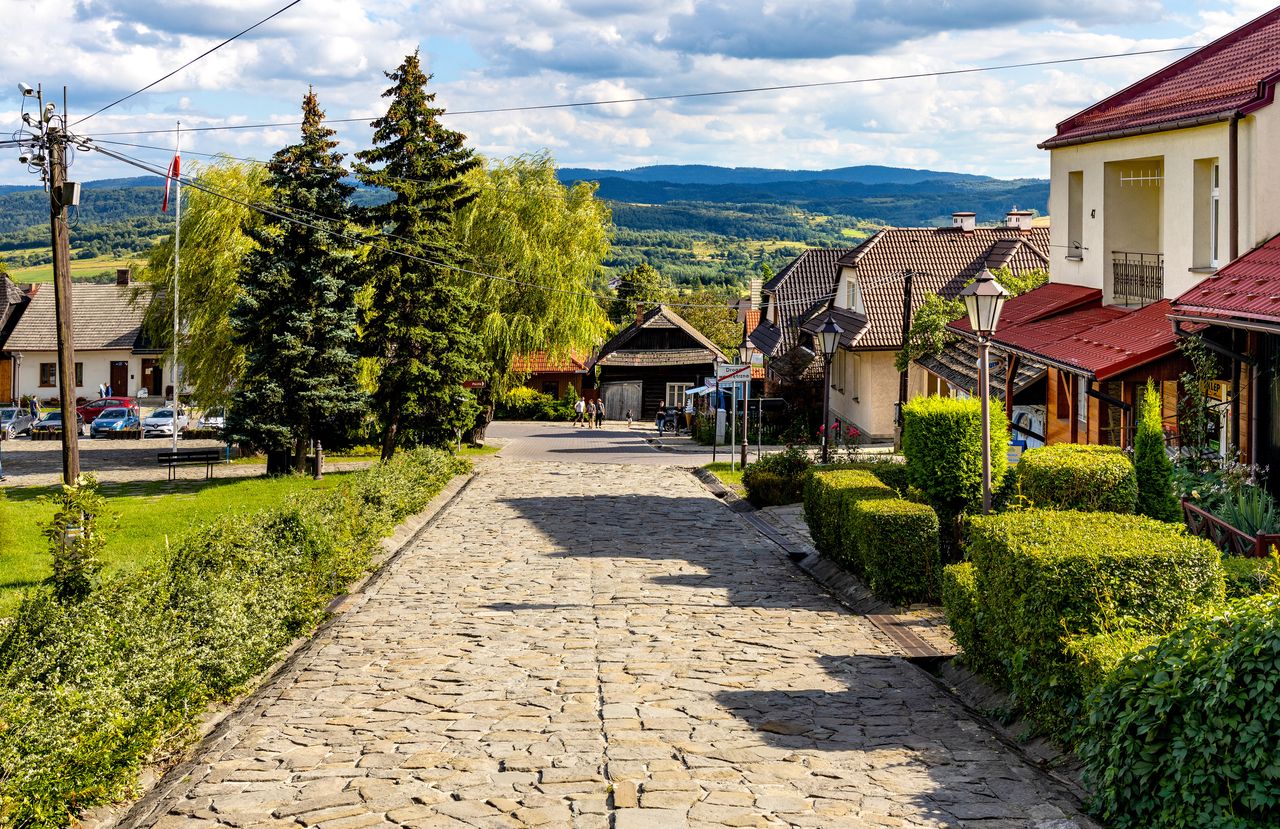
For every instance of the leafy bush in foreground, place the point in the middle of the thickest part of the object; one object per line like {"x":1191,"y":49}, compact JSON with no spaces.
{"x":1071,"y":476}
{"x":825,"y":495}
{"x":1044,"y":577}
{"x":89,"y":690}
{"x":897,"y":547}
{"x":1187,"y":732}
{"x":942,"y":440}
{"x":777,"y":478}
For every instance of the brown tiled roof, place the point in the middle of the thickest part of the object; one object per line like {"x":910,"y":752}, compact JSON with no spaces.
{"x":539,"y":362}
{"x":1235,"y":73}
{"x":1246,"y":289}
{"x":809,"y":278}
{"x":102,"y":317}
{"x":944,"y":261}
{"x":615,"y":352}
{"x":12,"y":301}
{"x":958,"y":365}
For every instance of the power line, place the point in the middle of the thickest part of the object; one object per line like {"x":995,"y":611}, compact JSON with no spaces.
{"x":201,"y":56}
{"x":687,"y":95}
{"x":283,"y":216}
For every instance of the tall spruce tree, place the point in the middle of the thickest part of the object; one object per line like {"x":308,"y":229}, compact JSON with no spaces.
{"x":296,"y":314}
{"x":420,"y":322}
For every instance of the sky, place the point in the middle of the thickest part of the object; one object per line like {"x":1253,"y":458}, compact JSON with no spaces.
{"x":487,"y":54}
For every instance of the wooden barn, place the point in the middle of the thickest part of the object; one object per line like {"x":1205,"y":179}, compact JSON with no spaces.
{"x":653,"y":362}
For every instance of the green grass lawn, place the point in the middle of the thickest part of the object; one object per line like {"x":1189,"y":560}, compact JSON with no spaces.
{"x":733,"y":479}
{"x":148,"y":513}
{"x":80,"y":268}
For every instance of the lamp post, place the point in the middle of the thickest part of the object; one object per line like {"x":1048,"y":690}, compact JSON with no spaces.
{"x":829,"y":339}
{"x":744,"y":355}
{"x":983,"y":299}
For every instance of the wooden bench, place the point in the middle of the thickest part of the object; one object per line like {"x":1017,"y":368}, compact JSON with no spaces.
{"x":184,"y":457}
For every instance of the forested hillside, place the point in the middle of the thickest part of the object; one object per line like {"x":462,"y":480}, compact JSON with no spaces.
{"x":700,"y":225}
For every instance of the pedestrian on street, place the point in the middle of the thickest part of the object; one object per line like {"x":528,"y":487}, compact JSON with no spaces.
{"x":659,"y":419}
{"x":578,"y":408}
{"x":628,"y":418}
{"x":102,"y":390}
{"x":35,"y":407}
{"x":108,"y":394}
{"x":600,"y":413}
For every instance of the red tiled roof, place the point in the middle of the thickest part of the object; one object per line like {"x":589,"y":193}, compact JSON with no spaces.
{"x":1087,"y":337}
{"x":1045,"y":301}
{"x":1237,"y":72}
{"x":807,"y":279}
{"x":540,"y":363}
{"x":1248,"y":288}
{"x":944,"y":259}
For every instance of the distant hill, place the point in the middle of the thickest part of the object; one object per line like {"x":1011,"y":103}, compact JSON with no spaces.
{"x":706,"y":174}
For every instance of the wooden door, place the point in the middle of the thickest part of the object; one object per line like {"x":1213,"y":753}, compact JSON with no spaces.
{"x":619,"y":398}
{"x":120,"y":378}
{"x":151,"y":376}
{"x":6,"y":379}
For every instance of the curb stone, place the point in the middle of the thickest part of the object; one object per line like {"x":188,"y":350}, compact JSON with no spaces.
{"x":157,"y":783}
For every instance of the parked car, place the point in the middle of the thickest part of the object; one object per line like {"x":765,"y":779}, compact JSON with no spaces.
{"x":52,"y":422}
{"x":14,"y":421}
{"x":91,"y":410}
{"x":114,"y":420}
{"x":162,"y":422}
{"x":213,"y":419}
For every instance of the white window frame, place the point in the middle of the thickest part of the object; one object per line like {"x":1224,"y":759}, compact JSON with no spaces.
{"x":1215,"y":202}
{"x":676,"y":394}
{"x":1082,"y":402}
{"x":855,"y":371}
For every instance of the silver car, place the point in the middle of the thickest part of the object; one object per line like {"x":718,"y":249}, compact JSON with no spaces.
{"x":14,"y":421}
{"x":162,"y":422}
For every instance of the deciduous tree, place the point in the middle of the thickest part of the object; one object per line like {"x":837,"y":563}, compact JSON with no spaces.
{"x":640,"y":285}
{"x":296,"y":315}
{"x":545,"y":243}
{"x":420,"y":321}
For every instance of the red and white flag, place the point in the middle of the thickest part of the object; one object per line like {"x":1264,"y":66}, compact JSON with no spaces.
{"x":175,"y":171}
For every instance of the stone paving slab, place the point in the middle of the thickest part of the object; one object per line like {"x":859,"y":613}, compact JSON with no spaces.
{"x":576,"y":645}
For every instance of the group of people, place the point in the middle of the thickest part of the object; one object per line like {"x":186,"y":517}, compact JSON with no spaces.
{"x":589,"y":413}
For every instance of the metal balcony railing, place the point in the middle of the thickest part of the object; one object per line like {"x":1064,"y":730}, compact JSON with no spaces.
{"x":1137,"y":277}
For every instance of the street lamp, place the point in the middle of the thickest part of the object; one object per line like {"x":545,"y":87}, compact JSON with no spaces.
{"x":829,"y":339}
{"x":983,"y":299}
{"x":744,"y":355}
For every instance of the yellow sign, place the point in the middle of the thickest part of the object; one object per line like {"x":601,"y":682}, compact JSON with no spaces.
{"x":1218,"y":389}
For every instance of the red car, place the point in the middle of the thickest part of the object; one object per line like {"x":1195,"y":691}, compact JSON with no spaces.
{"x":91,"y":410}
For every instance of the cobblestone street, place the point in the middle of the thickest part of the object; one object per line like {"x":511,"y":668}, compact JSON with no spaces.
{"x":599,"y":645}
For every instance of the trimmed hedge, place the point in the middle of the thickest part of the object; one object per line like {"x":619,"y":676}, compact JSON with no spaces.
{"x":960,"y":599}
{"x":1187,"y":733}
{"x":896,"y":544}
{"x":1251,"y":576}
{"x":1070,"y":476}
{"x":89,"y":691}
{"x":825,"y":493}
{"x":1044,"y":576}
{"x":942,"y":441}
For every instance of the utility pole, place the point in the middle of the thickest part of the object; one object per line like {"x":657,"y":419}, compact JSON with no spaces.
{"x":61,"y":193}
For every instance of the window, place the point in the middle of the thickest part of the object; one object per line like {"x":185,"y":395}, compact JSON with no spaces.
{"x":48,"y":374}
{"x":676,"y":392}
{"x":1082,"y":401}
{"x":79,"y":375}
{"x":855,"y":369}
{"x":838,"y":370}
{"x":551,"y":387}
{"x":1206,"y":214}
{"x":851,"y":294}
{"x":1075,"y":215}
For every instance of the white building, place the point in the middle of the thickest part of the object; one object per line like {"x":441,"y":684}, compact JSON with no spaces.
{"x":110,"y":348}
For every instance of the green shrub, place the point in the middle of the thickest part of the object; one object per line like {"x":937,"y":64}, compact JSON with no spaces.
{"x":1185,"y":733}
{"x":89,"y":690}
{"x":892,"y":475}
{"x":1153,"y":468}
{"x":960,"y":599}
{"x":1093,"y":657}
{"x":1251,"y":576}
{"x":1044,"y":576}
{"x":942,"y":440}
{"x":1071,"y":476}
{"x":896,"y":544}
{"x":777,"y":478}
{"x":523,"y":403}
{"x":825,"y":493}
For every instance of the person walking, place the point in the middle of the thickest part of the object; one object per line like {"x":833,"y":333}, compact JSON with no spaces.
{"x":659,"y":419}
{"x":102,"y":390}
{"x":629,"y":418}
{"x":600,"y":413}
{"x":578,"y":408}
{"x":35,"y":407}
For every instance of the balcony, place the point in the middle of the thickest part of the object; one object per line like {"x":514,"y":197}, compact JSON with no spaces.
{"x":1136,"y":278}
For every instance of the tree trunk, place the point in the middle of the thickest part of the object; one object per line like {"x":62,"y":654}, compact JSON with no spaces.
{"x":300,"y":455}
{"x":389,"y":436}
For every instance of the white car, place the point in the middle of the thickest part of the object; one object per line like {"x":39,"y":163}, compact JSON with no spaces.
{"x":212,"y":419}
{"x":161,"y":423}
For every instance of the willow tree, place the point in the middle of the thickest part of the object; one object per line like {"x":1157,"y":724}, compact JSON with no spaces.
{"x":545,"y":244}
{"x":216,"y":236}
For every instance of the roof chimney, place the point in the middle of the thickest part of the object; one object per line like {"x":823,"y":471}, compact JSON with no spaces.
{"x":639,"y":313}
{"x":1020,"y":219}
{"x":755,"y":292}
{"x":964,"y":221}
{"x":122,"y":276}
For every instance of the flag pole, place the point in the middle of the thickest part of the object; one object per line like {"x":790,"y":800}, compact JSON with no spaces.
{"x":177,"y":244}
